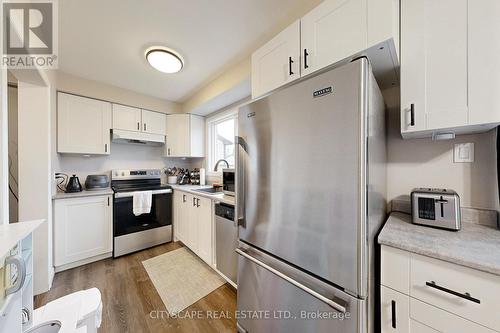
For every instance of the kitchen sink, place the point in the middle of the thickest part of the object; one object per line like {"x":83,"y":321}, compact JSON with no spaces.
{"x":209,"y":190}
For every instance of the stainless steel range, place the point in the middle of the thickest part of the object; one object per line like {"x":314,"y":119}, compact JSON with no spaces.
{"x":133,"y":233}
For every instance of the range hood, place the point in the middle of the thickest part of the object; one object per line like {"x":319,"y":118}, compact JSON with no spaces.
{"x":138,"y":138}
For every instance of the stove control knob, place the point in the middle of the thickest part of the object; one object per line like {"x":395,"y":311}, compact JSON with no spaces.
{"x":123,"y":173}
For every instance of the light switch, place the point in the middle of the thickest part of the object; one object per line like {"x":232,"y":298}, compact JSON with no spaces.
{"x":463,"y":153}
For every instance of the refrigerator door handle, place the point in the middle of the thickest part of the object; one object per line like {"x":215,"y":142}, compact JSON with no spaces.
{"x":336,"y":306}
{"x":240,"y":185}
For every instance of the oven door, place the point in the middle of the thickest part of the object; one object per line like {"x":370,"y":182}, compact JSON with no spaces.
{"x":124,"y":220}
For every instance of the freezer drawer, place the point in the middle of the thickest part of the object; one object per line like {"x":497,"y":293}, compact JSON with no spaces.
{"x":275,"y":297}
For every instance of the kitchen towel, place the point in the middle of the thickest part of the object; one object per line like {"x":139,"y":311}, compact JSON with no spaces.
{"x":142,"y":202}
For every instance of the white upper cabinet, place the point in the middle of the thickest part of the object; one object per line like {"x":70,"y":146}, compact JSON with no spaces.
{"x":447,"y":54}
{"x":433,"y":64}
{"x":134,"y":119}
{"x":185,"y":136}
{"x":126,"y":118}
{"x":83,"y":125}
{"x":484,"y":65}
{"x":334,"y":32}
{"x":154,"y":122}
{"x":331,"y":32}
{"x":277,"y":62}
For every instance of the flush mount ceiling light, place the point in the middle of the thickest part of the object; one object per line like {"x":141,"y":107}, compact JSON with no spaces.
{"x":164,"y":59}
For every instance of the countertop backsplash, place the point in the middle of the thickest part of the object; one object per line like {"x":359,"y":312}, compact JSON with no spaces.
{"x":486,"y":217}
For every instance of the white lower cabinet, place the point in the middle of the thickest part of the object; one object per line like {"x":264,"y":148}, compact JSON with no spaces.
{"x":193,"y":224}
{"x":83,"y":229}
{"x":394,"y":309}
{"x":435,"y":296}
{"x":427,"y":318}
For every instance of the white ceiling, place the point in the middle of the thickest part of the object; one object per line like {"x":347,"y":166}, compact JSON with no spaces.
{"x":105,"y":40}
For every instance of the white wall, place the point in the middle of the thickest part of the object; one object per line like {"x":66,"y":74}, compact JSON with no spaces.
{"x":4,"y":189}
{"x":34,"y":175}
{"x":427,"y":163}
{"x":80,"y":86}
{"x":123,"y":156}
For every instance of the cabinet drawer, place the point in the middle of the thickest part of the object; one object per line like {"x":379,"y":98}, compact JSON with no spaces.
{"x":425,"y":318}
{"x":465,"y":292}
{"x":394,"y":311}
{"x":395,"y":271}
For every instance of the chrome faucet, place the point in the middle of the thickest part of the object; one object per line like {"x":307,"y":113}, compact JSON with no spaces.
{"x":219,"y":161}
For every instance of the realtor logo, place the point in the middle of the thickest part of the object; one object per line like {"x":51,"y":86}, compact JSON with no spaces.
{"x":30,"y":34}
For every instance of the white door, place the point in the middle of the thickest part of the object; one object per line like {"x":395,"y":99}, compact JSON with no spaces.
{"x":394,"y":308}
{"x":126,"y":118}
{"x":83,"y":125}
{"x":154,"y":122}
{"x":277,"y":62}
{"x":191,"y":225}
{"x":433,"y":64}
{"x":177,"y":214}
{"x":197,"y":136}
{"x":82,"y":228}
{"x":182,"y":215}
{"x":178,"y":143}
{"x":484,"y":64}
{"x":334,"y":30}
{"x":204,"y":229}
{"x":426,"y":318}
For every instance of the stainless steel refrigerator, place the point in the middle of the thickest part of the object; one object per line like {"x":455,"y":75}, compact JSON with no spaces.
{"x":311,"y":196}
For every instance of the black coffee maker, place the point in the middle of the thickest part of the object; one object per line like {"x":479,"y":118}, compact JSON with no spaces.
{"x":73,"y":185}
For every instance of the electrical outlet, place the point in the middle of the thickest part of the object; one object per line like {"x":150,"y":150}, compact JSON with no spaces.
{"x":463,"y":153}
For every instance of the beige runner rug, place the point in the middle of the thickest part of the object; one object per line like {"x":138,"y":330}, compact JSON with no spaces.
{"x":181,"y":278}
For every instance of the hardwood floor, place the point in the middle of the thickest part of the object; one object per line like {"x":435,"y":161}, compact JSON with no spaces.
{"x":129,"y":297}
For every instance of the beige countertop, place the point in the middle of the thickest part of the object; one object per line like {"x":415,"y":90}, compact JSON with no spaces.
{"x":221,"y":197}
{"x":84,"y":193}
{"x":475,"y":246}
{"x":12,"y":233}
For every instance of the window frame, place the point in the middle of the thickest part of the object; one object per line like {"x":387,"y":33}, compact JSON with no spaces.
{"x":211,"y":123}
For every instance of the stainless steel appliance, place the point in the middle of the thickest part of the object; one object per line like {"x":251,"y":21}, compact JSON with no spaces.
{"x":96,"y":182}
{"x":226,"y":241}
{"x":311,"y":197}
{"x":133,"y":233}
{"x":436,"y":207}
{"x":228,"y":182}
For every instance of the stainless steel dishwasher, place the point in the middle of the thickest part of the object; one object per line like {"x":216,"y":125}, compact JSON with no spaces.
{"x":226,"y":241}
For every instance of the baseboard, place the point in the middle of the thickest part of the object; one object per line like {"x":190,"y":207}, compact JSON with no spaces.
{"x":83,"y":262}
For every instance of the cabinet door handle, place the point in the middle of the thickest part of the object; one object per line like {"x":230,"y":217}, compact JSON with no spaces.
{"x":466,"y":296}
{"x":105,"y":147}
{"x":290,"y":62}
{"x":393,"y":312}
{"x":412,"y":114}
{"x":183,"y":198}
{"x":197,"y":202}
{"x":194,"y":201}
{"x":144,"y":126}
{"x":305,"y":59}
{"x":108,"y":201}
{"x":138,"y":126}
{"x":168,"y":151}
{"x":21,"y":273}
